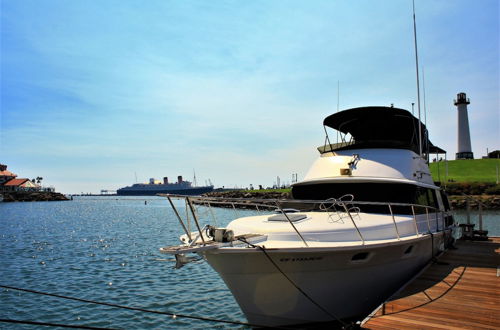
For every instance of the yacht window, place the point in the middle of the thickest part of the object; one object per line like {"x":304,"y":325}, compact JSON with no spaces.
{"x":426,"y":197}
{"x":371,"y":192}
{"x":286,"y":211}
{"x":292,"y":217}
{"x":421,"y":196}
{"x":432,"y":198}
{"x":360,"y":256}
{"x":409,"y":249}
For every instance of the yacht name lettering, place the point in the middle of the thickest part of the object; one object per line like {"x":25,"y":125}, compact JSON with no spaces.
{"x":301,"y":259}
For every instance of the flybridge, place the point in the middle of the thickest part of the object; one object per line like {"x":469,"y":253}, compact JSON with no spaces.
{"x":377,"y":127}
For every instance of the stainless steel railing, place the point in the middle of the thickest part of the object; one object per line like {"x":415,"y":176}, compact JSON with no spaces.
{"x":344,"y":207}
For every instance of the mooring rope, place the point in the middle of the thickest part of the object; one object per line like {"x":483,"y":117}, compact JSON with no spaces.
{"x":59,"y":325}
{"x":174,"y":315}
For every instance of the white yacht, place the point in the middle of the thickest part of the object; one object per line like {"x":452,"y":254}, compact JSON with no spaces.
{"x":365,"y":219}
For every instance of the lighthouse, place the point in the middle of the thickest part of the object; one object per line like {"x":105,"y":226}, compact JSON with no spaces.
{"x":464,"y":149}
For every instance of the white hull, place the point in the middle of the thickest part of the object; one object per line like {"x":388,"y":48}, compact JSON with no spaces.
{"x":343,"y":287}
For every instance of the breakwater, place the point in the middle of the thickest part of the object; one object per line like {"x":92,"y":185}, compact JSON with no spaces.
{"x":457,"y":202}
{"x":266,"y":194}
{"x":490,"y":202}
{"x":249,"y":195}
{"x":33,"y":196}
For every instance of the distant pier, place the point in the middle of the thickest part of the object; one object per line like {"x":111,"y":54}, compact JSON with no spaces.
{"x":460,"y":291}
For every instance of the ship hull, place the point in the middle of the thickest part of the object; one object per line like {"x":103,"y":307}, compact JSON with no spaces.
{"x":151,"y":192}
{"x":344,"y":289}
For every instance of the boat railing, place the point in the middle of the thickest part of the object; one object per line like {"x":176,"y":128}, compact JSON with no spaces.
{"x":345,"y":208}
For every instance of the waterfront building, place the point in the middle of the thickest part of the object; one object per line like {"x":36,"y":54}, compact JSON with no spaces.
{"x":10,"y":182}
{"x":5,"y":175}
{"x":20,"y":185}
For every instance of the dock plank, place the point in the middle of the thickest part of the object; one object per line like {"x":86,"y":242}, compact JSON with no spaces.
{"x":461,"y":291}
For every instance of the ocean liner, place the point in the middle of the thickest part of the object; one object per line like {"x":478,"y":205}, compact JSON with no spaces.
{"x":180,"y":187}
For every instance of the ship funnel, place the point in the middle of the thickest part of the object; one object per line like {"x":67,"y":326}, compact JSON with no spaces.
{"x":179,"y":179}
{"x":165,"y":180}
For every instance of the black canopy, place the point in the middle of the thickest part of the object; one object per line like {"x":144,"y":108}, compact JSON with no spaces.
{"x":380,"y":127}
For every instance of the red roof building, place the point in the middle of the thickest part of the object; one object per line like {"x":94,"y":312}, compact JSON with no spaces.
{"x":20,"y":184}
{"x":5,"y":175}
{"x":16,"y":182}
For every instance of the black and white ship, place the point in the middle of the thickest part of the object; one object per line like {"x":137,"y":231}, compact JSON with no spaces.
{"x":180,"y":187}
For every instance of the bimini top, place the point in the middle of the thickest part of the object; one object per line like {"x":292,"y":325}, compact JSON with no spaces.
{"x":378,"y":127}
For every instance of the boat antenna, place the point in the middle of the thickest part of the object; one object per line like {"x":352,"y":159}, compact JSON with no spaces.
{"x":135,"y":173}
{"x":423,"y":87}
{"x":418,"y":81}
{"x":425,"y":116}
{"x":194,"y":178}
{"x":338,"y":103}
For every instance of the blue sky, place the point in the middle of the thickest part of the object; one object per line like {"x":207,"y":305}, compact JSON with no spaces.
{"x":93,"y":92}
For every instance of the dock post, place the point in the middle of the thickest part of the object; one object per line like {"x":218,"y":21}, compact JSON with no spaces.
{"x":467,"y":203}
{"x":480,"y":217}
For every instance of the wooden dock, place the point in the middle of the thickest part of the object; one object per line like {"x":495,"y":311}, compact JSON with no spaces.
{"x":460,"y":291}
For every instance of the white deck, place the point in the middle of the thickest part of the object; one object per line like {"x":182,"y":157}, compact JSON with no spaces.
{"x":324,"y":229}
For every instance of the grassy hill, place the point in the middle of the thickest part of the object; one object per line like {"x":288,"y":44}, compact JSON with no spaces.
{"x":470,"y":170}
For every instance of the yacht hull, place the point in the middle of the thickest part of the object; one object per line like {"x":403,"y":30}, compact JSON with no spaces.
{"x":341,"y":283}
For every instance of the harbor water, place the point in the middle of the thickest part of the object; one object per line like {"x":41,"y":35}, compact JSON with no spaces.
{"x":106,"y":249}
{"x":103,"y":249}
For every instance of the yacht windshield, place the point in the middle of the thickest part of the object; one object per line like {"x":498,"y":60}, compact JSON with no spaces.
{"x":370,"y":192}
